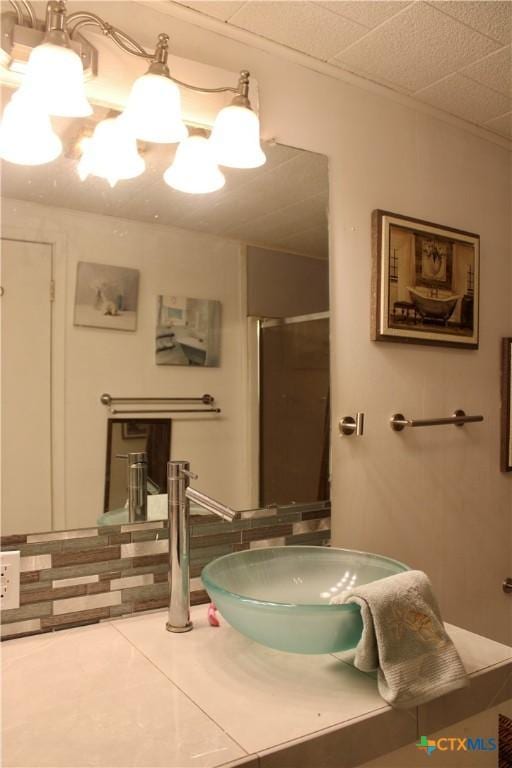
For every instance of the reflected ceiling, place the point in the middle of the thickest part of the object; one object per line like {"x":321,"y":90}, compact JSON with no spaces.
{"x":282,"y":205}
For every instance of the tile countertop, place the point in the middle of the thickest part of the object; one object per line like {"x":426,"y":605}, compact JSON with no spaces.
{"x":128,"y":693}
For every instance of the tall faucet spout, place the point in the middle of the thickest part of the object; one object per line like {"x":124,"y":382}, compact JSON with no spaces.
{"x":179,"y":497}
{"x":211,"y":505}
{"x":179,"y":547}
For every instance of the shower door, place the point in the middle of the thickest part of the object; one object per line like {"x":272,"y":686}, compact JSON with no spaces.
{"x":294,"y":409}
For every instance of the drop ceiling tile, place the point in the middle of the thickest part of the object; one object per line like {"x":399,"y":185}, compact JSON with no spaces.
{"x":490,"y":17}
{"x":465,"y":98}
{"x":304,"y":26}
{"x":495,"y":71}
{"x":369,"y":13}
{"x":219,"y":9}
{"x":416,"y":48}
{"x":501,"y":125}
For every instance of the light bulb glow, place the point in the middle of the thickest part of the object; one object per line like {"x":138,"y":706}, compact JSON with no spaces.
{"x":26,"y":133}
{"x":236,"y":138}
{"x":153,"y":111}
{"x":55,"y":80}
{"x":194,"y":169}
{"x":111,"y":153}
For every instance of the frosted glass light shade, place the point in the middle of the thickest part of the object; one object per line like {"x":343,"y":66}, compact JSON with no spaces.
{"x":194,"y":169}
{"x":111,"y":153}
{"x":26,"y":133}
{"x":55,"y":79}
{"x":153,"y":111}
{"x":236,"y":138}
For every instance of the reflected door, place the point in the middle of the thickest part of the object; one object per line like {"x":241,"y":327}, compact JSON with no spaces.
{"x":294,"y":409}
{"x":26,"y":323}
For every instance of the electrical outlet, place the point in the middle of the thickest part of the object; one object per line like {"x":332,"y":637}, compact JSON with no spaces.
{"x":9,"y":580}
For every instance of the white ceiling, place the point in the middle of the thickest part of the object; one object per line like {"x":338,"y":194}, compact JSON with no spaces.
{"x":281,"y":205}
{"x":454,"y":55}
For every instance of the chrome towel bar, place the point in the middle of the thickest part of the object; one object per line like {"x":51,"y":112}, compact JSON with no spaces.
{"x":398,"y":422}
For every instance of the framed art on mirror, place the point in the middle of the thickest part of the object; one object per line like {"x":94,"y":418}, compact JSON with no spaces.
{"x":425,"y":282}
{"x":106,"y":296}
{"x":506,"y":405}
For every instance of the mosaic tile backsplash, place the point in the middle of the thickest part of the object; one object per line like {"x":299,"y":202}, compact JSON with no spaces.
{"x":72,"y":578}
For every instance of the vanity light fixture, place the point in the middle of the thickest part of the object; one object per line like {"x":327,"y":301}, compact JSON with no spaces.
{"x":236,"y":132}
{"x":26,"y":133}
{"x":54,"y":77}
{"x":154,"y":103}
{"x":111,"y":153}
{"x":194,"y":168}
{"x":54,"y":84}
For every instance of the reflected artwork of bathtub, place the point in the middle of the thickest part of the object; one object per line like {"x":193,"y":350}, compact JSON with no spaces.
{"x":425,"y":282}
{"x":188,"y":331}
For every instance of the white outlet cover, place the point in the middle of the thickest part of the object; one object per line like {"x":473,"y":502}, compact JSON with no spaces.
{"x":9,"y":580}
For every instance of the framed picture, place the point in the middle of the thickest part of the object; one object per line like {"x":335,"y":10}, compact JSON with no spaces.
{"x":187,"y":331}
{"x":425,"y":282}
{"x":506,"y":405}
{"x":132,"y":429}
{"x":106,"y":296}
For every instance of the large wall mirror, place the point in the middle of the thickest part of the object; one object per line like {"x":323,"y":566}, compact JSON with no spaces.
{"x":140,"y":291}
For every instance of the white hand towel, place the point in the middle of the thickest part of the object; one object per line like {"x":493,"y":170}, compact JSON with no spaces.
{"x":405,"y":640}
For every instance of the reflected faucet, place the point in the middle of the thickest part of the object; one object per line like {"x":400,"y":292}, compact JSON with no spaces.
{"x":180,"y":494}
{"x":137,"y":485}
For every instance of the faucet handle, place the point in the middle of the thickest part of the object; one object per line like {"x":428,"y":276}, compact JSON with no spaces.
{"x":135,"y":457}
{"x":190,"y":475}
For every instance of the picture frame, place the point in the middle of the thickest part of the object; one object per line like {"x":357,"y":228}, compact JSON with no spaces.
{"x":425,"y":282}
{"x":106,"y":296}
{"x":132,"y":429}
{"x":506,"y":404}
{"x":188,"y":331}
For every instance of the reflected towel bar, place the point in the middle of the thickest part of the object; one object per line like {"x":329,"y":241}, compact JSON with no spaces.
{"x":107,"y":399}
{"x":206,"y":400}
{"x":170,"y":410}
{"x":458,"y":419}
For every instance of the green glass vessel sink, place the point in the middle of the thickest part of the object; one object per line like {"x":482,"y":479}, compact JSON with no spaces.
{"x":279,"y":596}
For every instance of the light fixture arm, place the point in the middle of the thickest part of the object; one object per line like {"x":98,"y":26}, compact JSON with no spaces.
{"x":83,"y":18}
{"x":26,"y":7}
{"x":158,"y":57}
{"x":61,"y":27}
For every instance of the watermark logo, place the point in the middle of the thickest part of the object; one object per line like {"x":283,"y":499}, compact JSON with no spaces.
{"x":427,"y":745}
{"x":456,"y":744}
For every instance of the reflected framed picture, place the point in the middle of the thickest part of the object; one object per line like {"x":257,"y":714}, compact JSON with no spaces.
{"x":106,"y":296}
{"x":133,"y":430}
{"x":425,"y":282}
{"x":506,"y":405}
{"x":187,"y":331}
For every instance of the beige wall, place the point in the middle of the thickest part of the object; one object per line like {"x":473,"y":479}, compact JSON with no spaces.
{"x":89,"y":361}
{"x":281,"y":284}
{"x":434,"y":498}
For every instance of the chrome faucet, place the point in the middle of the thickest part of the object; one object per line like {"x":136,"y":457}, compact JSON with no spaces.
{"x":180,"y":494}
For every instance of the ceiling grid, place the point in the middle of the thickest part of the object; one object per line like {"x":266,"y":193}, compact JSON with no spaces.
{"x":454,"y":55}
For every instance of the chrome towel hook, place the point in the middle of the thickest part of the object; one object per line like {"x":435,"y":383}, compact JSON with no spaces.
{"x":348,"y":425}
